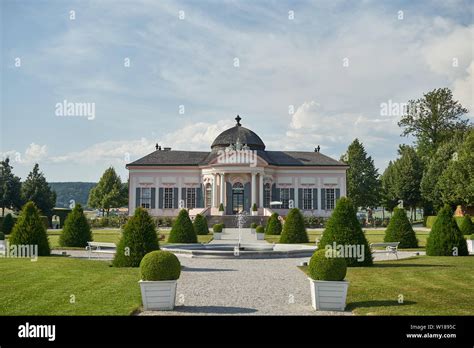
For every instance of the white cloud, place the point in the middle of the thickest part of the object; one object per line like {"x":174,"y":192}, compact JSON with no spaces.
{"x":33,"y":153}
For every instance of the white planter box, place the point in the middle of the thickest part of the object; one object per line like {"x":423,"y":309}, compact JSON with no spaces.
{"x":158,"y":295}
{"x":252,"y":230}
{"x":254,"y":213}
{"x":470,"y":246}
{"x":260,"y":236}
{"x":220,"y":213}
{"x":328,"y":295}
{"x":217,"y":236}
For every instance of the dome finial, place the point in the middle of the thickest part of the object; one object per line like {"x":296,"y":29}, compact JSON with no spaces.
{"x":238,"y":118}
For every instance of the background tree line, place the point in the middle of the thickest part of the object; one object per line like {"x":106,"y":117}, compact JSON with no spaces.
{"x":437,"y":169}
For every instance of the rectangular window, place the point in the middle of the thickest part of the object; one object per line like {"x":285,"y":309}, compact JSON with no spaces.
{"x":285,"y":198}
{"x":267,"y":196}
{"x":190,"y":198}
{"x":307,"y":198}
{"x":330,"y":198}
{"x":168,"y":204}
{"x":145,"y":198}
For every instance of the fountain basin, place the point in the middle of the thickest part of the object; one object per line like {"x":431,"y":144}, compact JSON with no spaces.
{"x":246,"y":250}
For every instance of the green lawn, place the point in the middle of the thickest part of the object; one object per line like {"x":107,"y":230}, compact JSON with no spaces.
{"x":113,"y":236}
{"x":373,"y":236}
{"x":45,"y":287}
{"x":429,"y":286}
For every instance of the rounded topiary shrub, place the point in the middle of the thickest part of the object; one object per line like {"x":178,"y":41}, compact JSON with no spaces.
{"x":273,"y":225}
{"x":200,"y":225}
{"x":7,"y":224}
{"x":400,"y":230}
{"x":253,"y":225}
{"x":343,"y":229}
{"x":294,"y":230}
{"x":182,"y":230}
{"x":465,"y":225}
{"x":2,"y":236}
{"x":327,"y":265}
{"x":160,"y":265}
{"x":445,"y":237}
{"x":29,"y":230}
{"x":217,"y":228}
{"x":260,"y":229}
{"x":138,"y":239}
{"x":76,"y":231}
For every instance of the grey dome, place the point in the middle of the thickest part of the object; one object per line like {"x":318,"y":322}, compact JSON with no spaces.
{"x":242,"y":134}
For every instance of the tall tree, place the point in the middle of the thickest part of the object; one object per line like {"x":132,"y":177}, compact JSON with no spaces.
{"x":363,"y":185}
{"x":456,"y":184}
{"x":10,"y":187}
{"x":109,"y":192}
{"x":408,"y":171}
{"x":389,"y":197}
{"x":36,"y":189}
{"x":432,"y":119}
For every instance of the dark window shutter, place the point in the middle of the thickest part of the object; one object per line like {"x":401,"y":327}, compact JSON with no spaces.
{"x":183,"y":196}
{"x":175,"y":198}
{"x":137,"y":197}
{"x":228,"y":206}
{"x":247,"y":195}
{"x":199,"y":198}
{"x":323,"y":199}
{"x":300,"y":198}
{"x":292,"y":195}
{"x":153,"y":198}
{"x":160,"y":198}
{"x":315,"y":198}
{"x":275,"y":193}
{"x":338,"y":194}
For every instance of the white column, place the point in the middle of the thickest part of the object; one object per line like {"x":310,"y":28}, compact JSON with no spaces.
{"x":213,"y":192}
{"x":254,"y":189}
{"x":296,"y":194}
{"x":222,"y":188}
{"x":260,"y":195}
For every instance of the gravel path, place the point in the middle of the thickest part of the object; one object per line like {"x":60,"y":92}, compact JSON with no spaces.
{"x":242,"y":287}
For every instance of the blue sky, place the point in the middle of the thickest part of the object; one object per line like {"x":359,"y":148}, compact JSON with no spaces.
{"x":284,"y":64}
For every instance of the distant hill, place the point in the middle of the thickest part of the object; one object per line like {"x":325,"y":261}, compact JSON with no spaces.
{"x":65,"y":191}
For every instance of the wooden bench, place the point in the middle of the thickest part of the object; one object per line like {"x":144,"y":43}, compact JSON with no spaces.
{"x":98,"y":247}
{"x":390,"y":248}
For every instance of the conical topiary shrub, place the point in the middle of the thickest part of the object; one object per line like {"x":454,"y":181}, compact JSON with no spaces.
{"x":200,"y":225}
{"x":7,"y":225}
{"x":76,"y":231}
{"x":294,"y":230}
{"x":343,"y":230}
{"x":465,"y":225}
{"x":445,"y":238}
{"x":399,"y":230}
{"x":29,"y":230}
{"x":182,"y":230}
{"x":138,"y":239}
{"x":274,"y":225}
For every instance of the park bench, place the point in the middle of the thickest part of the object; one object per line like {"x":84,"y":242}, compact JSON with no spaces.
{"x":98,"y":247}
{"x":389,"y":248}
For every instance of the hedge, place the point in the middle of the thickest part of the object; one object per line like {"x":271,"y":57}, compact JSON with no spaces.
{"x":400,"y":230}
{"x":327,"y":265}
{"x":200,"y":225}
{"x":430,"y":220}
{"x":30,"y":230}
{"x":183,"y":229}
{"x":274,"y":225}
{"x":76,"y":231}
{"x":294,"y":230}
{"x":343,"y":229}
{"x":138,"y":239}
{"x":160,"y":265}
{"x":445,"y":236}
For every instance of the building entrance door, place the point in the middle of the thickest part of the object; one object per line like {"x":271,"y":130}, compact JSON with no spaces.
{"x":237,"y":198}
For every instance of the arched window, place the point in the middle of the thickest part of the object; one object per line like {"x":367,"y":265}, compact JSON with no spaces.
{"x":208,"y":195}
{"x":267,"y":195}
